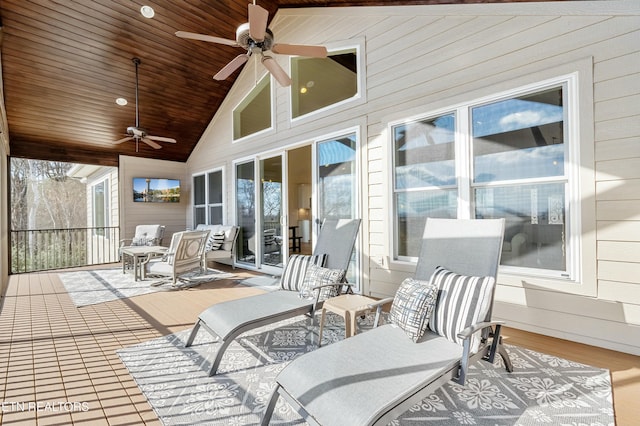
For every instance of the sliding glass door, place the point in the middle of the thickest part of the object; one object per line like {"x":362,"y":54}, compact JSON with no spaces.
{"x":328,"y":173}
{"x":245,"y":212}
{"x":259,"y":212}
{"x":336,"y":184}
{"x":271,"y":208}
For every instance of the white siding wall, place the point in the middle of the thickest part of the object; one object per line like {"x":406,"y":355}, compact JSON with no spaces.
{"x":422,"y":58}
{"x":171,"y":215}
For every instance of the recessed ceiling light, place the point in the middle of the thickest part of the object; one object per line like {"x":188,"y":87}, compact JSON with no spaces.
{"x":121,"y":101}
{"x":147,"y":11}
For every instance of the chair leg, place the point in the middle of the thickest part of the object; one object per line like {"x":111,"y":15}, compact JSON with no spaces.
{"x":498,"y":348}
{"x":216,"y":362}
{"x":266,"y":418}
{"x":464,"y":363}
{"x":505,"y":357}
{"x":192,"y":336}
{"x":322,"y":318}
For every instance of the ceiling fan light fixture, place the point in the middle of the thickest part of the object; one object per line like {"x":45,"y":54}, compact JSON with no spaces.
{"x":147,"y":11}
{"x":121,"y":101}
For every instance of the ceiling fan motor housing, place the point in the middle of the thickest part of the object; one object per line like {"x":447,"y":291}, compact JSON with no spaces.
{"x":136,"y":131}
{"x":243,"y":38}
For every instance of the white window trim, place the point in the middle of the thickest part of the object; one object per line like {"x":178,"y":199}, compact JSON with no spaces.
{"x":207,"y":205}
{"x":579,"y":170}
{"x":357,"y":99}
{"x":107,"y":198}
{"x":271,"y":128}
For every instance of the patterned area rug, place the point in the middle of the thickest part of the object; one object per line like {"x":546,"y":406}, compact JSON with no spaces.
{"x":543,"y":389}
{"x":104,"y":285}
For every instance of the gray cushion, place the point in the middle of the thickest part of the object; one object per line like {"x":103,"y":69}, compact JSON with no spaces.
{"x":318,"y":276}
{"x":296,"y":268}
{"x":260,"y":309}
{"x":354,"y":381}
{"x":462,"y":301}
{"x":412,"y":306}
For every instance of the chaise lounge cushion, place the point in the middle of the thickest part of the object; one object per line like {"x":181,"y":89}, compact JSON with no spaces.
{"x":462,"y":301}
{"x":336,"y":392}
{"x":233,"y":315}
{"x":412,"y":306}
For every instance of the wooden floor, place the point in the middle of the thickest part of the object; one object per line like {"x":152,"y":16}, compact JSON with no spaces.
{"x":58,"y":363}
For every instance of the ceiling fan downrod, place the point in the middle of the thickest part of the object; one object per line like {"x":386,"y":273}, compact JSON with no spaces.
{"x":137,"y":62}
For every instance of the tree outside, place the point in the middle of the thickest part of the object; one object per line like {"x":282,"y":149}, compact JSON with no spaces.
{"x":46,"y":205}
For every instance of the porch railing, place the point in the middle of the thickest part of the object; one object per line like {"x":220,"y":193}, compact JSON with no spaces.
{"x":45,"y":249}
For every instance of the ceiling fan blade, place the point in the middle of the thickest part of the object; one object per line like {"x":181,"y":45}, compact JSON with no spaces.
{"x":204,"y":37}
{"x":128,"y":138}
{"x":161,"y":139}
{"x":276,"y":71}
{"x":228,"y":69}
{"x":258,"y":18}
{"x":151,"y":143}
{"x":299,"y":49}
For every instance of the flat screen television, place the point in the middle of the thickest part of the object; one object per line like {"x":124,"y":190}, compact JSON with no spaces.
{"x":156,"y":190}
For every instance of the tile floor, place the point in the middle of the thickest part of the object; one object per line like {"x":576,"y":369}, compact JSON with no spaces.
{"x":58,"y":363}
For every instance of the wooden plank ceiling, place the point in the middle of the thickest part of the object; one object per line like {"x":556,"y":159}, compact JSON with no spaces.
{"x":65,"y":62}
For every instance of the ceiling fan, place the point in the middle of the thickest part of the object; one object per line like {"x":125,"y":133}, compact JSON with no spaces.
{"x":136,"y":132}
{"x":255,"y":37}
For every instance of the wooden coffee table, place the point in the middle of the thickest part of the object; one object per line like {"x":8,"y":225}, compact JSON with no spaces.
{"x":348,"y":306}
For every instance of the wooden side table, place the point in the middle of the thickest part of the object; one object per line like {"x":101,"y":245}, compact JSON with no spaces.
{"x":348,"y":306}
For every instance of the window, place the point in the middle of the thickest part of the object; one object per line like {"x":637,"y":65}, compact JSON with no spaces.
{"x":100,"y":207}
{"x":208,"y":204}
{"x":502,"y":158}
{"x":254,"y":112}
{"x":317,"y":83}
{"x":424,"y":176}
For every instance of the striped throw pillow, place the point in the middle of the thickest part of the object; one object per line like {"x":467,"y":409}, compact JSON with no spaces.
{"x":462,"y":301}
{"x":217,"y":240}
{"x":296,"y":268}
{"x":412,"y":306}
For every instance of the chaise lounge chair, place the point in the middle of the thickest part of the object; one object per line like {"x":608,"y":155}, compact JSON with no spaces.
{"x":375,"y":376}
{"x":228,"y":320}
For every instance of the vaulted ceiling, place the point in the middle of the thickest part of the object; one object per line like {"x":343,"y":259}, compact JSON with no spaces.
{"x":64,"y":63}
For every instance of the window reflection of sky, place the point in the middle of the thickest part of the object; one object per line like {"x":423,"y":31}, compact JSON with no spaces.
{"x":337,"y":179}
{"x":424,"y":133}
{"x":337,"y":151}
{"x":511,"y":115}
{"x":541,"y":161}
{"x":439,"y":173}
{"x":492,"y":119}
